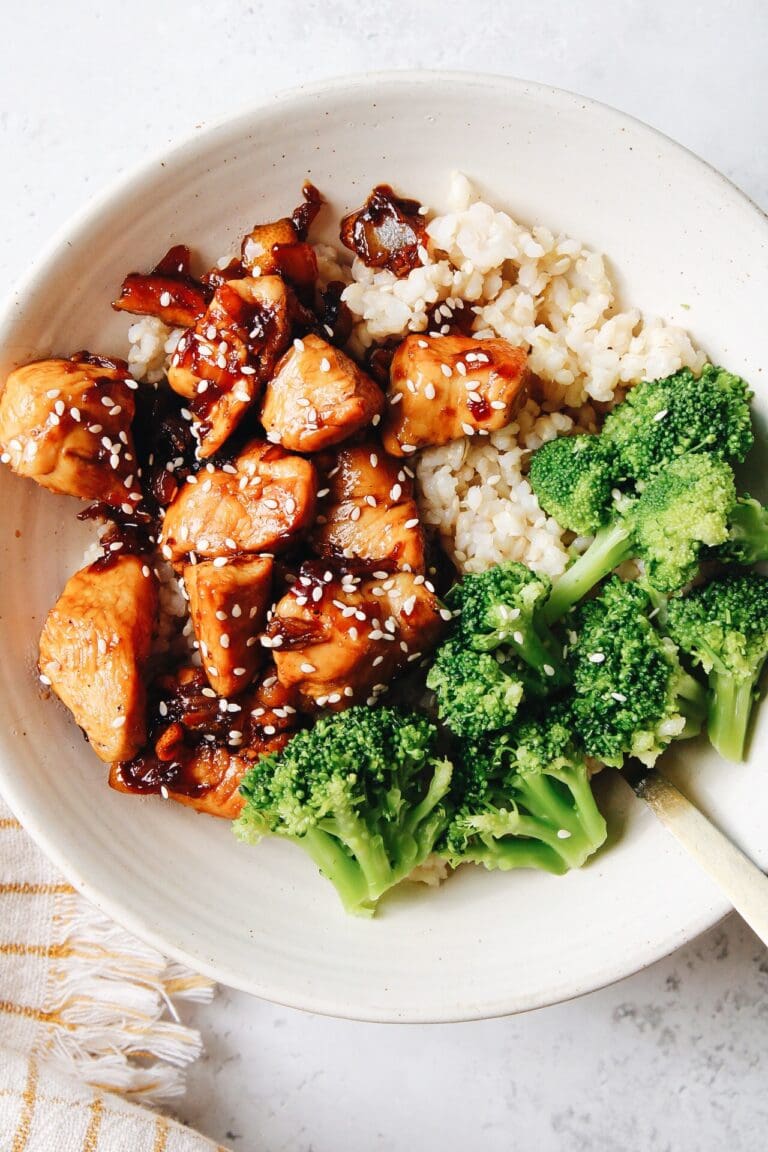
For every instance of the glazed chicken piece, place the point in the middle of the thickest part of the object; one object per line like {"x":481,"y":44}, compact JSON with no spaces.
{"x":445,"y":387}
{"x":258,"y":503}
{"x":318,"y":397}
{"x":339,"y":640}
{"x":168,"y":292}
{"x":67,"y":425}
{"x":94,"y":648}
{"x":258,"y":254}
{"x":369,"y":512}
{"x":202,"y":744}
{"x":229,"y":608}
{"x":220,"y":365}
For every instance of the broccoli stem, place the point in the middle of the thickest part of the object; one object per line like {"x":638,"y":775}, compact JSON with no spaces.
{"x":367,"y":848}
{"x":692,"y":703}
{"x":515,"y":853}
{"x":731,"y":700}
{"x":748,"y":531}
{"x":610,"y":547}
{"x":341,"y":869}
{"x":564,"y":804}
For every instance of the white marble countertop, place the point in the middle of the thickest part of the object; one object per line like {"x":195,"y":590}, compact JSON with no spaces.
{"x":674,"y":1058}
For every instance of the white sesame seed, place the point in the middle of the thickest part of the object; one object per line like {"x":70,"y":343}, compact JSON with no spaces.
{"x":165,"y":299}
{"x":596,"y":657}
{"x":408,"y":448}
{"x":308,"y":669}
{"x":118,"y":722}
{"x":220,"y":562}
{"x":468,"y":430}
{"x":619,"y":696}
{"x":660,"y":415}
{"x":44,"y":679}
{"x":412,"y":523}
{"x":325,"y":364}
{"x":52,"y":393}
{"x":548,"y":670}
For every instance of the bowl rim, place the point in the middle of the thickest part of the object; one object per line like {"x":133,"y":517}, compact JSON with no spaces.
{"x":235,"y":125}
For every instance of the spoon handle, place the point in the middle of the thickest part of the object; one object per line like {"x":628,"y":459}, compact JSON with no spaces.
{"x":741,"y":880}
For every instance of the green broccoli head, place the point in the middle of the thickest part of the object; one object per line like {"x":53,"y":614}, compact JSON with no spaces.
{"x":662,"y":419}
{"x":631,"y":695}
{"x":362,"y":791}
{"x":475,"y":692}
{"x":503,"y":606}
{"x":747,"y":541}
{"x":573,"y":478}
{"x":723,"y":625}
{"x":683,"y":510}
{"x":523,"y":799}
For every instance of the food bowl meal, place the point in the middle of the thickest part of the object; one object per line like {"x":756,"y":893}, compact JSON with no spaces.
{"x":402,"y":512}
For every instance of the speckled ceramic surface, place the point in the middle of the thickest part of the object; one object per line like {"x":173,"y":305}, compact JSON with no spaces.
{"x":683,"y":243}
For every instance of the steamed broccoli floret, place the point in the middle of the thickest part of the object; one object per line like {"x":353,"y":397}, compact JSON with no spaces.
{"x":724,"y":627}
{"x":362,"y":792}
{"x":524,"y":801}
{"x":503,"y":606}
{"x":631,"y":696}
{"x":680,"y":512}
{"x":475,"y":693}
{"x":747,"y":541}
{"x":662,"y":419}
{"x":573,"y":478}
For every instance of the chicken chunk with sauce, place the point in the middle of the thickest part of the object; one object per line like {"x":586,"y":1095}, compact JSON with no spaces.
{"x":339,"y":640}
{"x":229,"y":607}
{"x":202,"y":744}
{"x":94,"y":648}
{"x":445,"y":387}
{"x":168,"y":292}
{"x":67,"y":425}
{"x":369,"y":512}
{"x":318,"y":397}
{"x":221,"y":363}
{"x":259,"y":503}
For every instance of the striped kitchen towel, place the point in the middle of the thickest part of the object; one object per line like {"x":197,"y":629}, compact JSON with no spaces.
{"x":88,"y":1024}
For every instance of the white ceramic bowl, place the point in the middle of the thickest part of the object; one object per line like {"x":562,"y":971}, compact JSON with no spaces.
{"x":684,"y":244}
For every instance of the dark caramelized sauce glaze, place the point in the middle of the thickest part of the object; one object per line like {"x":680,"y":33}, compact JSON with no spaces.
{"x":215,"y":277}
{"x":165,"y":447}
{"x":86,"y":357}
{"x":125,"y":534}
{"x":386,"y":232}
{"x":480,"y":409}
{"x":378,"y":360}
{"x":184,"y":716}
{"x":334,"y":317}
{"x":303,"y":217}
